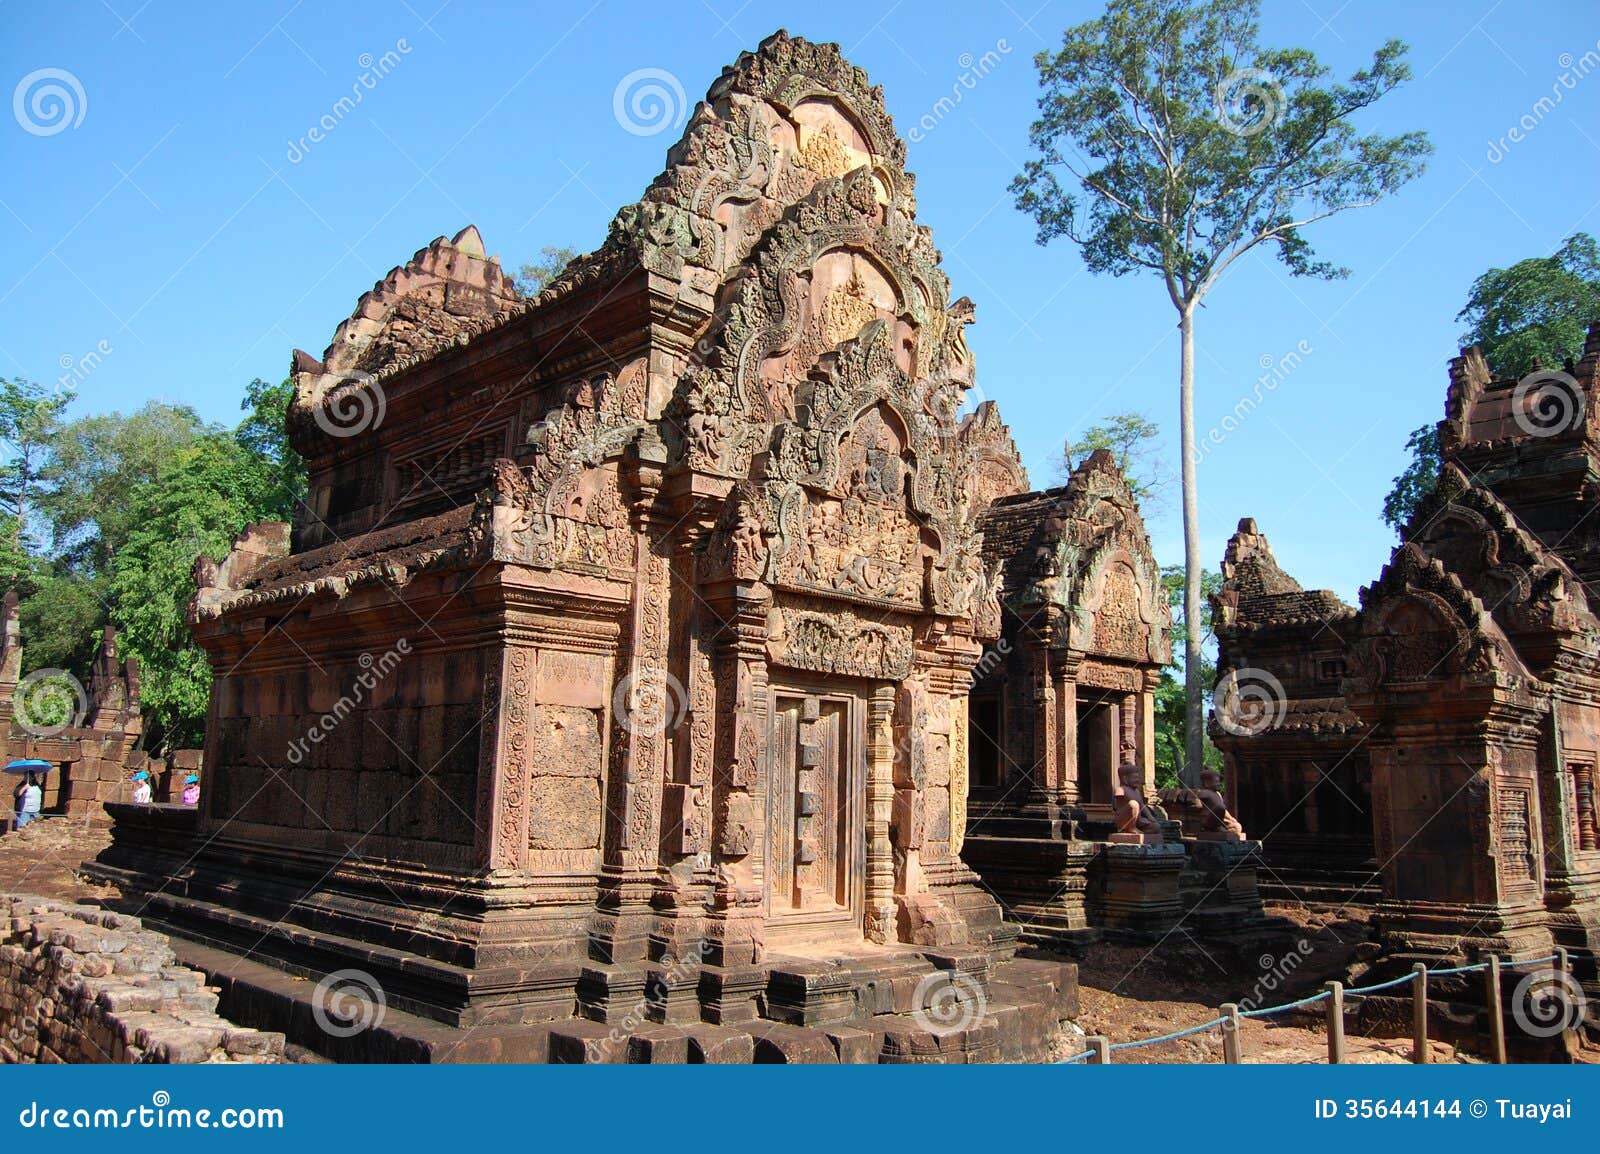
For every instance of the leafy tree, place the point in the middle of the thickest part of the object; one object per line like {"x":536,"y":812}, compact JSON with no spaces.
{"x":16,"y":566}
{"x":264,"y":432}
{"x":1418,"y":479}
{"x":1130,"y":438}
{"x":96,"y":465}
{"x":552,"y":260}
{"x":1534,"y":314}
{"x":1171,"y":706}
{"x":29,"y":417}
{"x":210,"y":489}
{"x":60,"y":619}
{"x":1192,"y":145}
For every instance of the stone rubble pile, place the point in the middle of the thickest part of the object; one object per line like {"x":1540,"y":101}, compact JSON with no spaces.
{"x":82,"y":984}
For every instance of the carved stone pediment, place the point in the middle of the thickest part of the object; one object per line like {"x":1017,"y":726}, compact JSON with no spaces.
{"x":839,"y":642}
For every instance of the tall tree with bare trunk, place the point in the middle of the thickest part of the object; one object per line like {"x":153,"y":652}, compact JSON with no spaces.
{"x":1170,"y":140}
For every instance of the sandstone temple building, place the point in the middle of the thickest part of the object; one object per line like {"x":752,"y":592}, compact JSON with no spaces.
{"x":1439,"y":743}
{"x":622,"y":655}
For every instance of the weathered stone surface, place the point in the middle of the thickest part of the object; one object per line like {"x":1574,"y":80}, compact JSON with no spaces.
{"x":58,"y":1004}
{"x":1464,"y":689}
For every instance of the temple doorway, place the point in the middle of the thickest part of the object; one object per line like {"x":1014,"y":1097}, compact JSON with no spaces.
{"x":816,"y":839}
{"x":1099,"y":748}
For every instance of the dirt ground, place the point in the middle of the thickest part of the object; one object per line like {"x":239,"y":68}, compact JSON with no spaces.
{"x":1128,"y":992}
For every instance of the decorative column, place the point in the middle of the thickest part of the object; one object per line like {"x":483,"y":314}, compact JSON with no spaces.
{"x":880,"y":805}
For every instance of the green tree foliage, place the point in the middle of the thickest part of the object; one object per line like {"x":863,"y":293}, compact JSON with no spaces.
{"x":119,"y":506}
{"x":1418,"y":479}
{"x":532,"y":278}
{"x":264,"y":434}
{"x":1534,"y":314}
{"x":1170,"y":703}
{"x":211,"y":489}
{"x":30,"y":416}
{"x":96,"y":464}
{"x":1185,"y":144}
{"x":1132,"y":438}
{"x":60,"y":618}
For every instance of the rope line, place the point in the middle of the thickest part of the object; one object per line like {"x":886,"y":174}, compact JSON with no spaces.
{"x":1172,"y":1037}
{"x":1311,"y":1001}
{"x":1390,"y":984}
{"x":1266,"y":1011}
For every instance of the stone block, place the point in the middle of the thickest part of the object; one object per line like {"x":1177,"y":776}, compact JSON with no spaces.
{"x":564,"y":812}
{"x":720,"y":1046}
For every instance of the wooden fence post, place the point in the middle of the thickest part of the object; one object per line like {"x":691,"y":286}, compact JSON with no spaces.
{"x":1100,"y":1046}
{"x":1497,"y":1016}
{"x":1419,"y":1014}
{"x":1230,"y":1034}
{"x":1335,"y":1023}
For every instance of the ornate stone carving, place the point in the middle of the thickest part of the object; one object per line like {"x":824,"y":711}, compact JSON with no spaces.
{"x":840,"y":643}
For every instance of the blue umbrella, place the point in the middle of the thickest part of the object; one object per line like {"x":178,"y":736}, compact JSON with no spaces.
{"x":29,"y":765}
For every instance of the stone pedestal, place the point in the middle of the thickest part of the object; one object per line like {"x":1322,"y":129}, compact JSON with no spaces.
{"x":1220,"y":889}
{"x":1136,"y":889}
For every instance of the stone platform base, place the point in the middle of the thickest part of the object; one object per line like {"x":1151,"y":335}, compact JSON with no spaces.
{"x":1137,"y":895}
{"x":1013,"y":1017}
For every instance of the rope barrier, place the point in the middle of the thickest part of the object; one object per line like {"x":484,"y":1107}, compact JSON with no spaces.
{"x":1266,"y":1011}
{"x":1311,"y":1001}
{"x":1390,"y":984}
{"x":1172,"y":1037}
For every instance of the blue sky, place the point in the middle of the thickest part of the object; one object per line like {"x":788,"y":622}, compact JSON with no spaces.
{"x":185,"y":232}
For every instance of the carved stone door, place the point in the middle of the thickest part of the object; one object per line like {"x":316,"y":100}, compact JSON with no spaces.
{"x":816,"y":844}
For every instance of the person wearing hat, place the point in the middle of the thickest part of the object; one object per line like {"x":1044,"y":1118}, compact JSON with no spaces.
{"x":30,"y":799}
{"x":141,"y":788}
{"x":191,"y":790}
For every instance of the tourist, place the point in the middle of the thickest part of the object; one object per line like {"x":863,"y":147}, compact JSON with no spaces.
{"x":141,"y":788}
{"x":30,"y":799}
{"x":191,"y":790}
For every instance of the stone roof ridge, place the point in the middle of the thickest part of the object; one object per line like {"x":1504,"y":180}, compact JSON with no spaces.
{"x":460,"y":260}
{"x":1257,"y":591}
{"x":1560,"y":402}
{"x":432,"y":299}
{"x":1547,"y":588}
{"x":725,"y":153}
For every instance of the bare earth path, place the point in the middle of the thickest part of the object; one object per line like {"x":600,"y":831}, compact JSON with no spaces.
{"x":1128,"y":992}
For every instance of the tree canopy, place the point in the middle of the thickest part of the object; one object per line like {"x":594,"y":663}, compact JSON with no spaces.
{"x":552,"y":259}
{"x":1171,"y":141}
{"x":1132,"y":439}
{"x":1534,"y":314}
{"x":119,"y":506}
